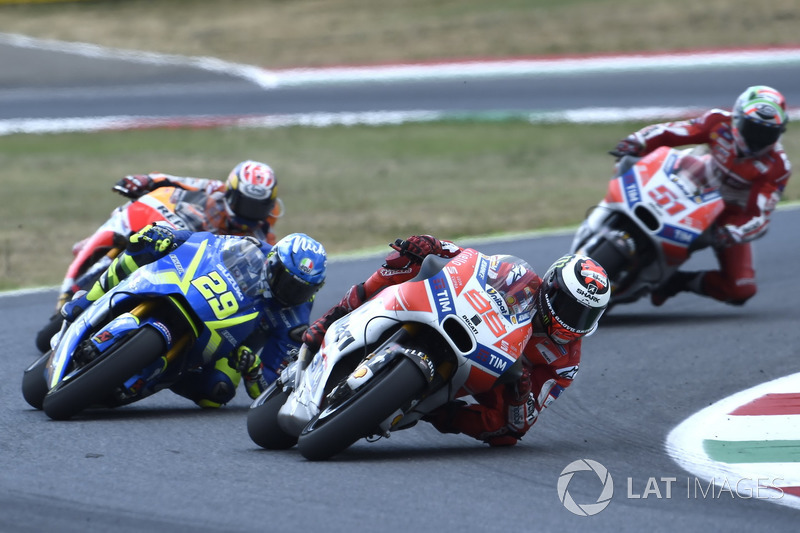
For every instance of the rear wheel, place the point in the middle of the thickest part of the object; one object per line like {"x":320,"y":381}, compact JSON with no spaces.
{"x":34,"y":384}
{"x":340,"y":425}
{"x":97,"y":382}
{"x":46,"y":333}
{"x":262,"y":421}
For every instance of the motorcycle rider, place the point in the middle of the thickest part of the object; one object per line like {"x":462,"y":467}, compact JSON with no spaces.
{"x":246,"y":203}
{"x":292,"y":273}
{"x":569,"y":301}
{"x":753,"y":170}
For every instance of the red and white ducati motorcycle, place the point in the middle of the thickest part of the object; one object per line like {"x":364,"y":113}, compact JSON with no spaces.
{"x":456,"y":329}
{"x":654,"y":215}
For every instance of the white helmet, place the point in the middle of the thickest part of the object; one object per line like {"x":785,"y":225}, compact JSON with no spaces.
{"x":573,"y":295}
{"x":759,"y":119}
{"x":250,"y":192}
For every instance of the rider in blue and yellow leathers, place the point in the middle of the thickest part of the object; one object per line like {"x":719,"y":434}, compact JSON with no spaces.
{"x":293,"y":271}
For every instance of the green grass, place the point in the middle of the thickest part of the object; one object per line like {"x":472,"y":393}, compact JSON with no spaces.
{"x":360,"y":186}
{"x":349,"y":187}
{"x":281,"y":33}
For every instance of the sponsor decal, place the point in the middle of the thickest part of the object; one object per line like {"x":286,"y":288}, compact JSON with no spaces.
{"x":160,"y":326}
{"x":306,"y":244}
{"x":176,"y":263}
{"x":593,"y":277}
{"x":306,"y":265}
{"x":546,"y":354}
{"x":103,"y":336}
{"x":171,"y":217}
{"x":255,"y":191}
{"x":498,"y":300}
{"x":470,"y":322}
{"x":632,"y":192}
{"x":568,"y":372}
{"x":490,"y":360}
{"x":388,"y":273}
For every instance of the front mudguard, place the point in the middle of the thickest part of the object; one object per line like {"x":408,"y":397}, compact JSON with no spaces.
{"x":382,"y":357}
{"x":123,"y":326}
{"x":300,"y":408}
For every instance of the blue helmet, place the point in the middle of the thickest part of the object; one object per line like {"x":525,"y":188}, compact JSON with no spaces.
{"x":295,"y":269}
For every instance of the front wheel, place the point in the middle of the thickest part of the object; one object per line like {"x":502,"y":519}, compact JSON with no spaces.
{"x":96,"y":383}
{"x":34,"y":384}
{"x":262,"y":421}
{"x":340,"y":425}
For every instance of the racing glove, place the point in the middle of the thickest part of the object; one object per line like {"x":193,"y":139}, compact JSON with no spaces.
{"x":134,"y":186}
{"x":630,"y":145}
{"x":250,"y":367}
{"x":521,"y":405}
{"x":314,"y":335}
{"x":414,"y":250}
{"x":151,"y":238}
{"x":410,"y":252}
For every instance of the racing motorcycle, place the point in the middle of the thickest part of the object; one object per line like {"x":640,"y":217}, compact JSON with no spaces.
{"x":94,"y":254}
{"x":457,"y":329}
{"x":654,"y":216}
{"x":167,"y":318}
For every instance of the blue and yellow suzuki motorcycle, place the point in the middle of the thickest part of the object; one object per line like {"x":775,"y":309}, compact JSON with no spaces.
{"x":165,"y":319}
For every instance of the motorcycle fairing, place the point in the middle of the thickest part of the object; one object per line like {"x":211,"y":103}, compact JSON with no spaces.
{"x":454,"y":294}
{"x":683,"y":212}
{"x":157,"y":205}
{"x":222,"y":315}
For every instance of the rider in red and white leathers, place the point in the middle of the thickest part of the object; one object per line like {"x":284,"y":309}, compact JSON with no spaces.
{"x":752,"y":170}
{"x":552,"y":356}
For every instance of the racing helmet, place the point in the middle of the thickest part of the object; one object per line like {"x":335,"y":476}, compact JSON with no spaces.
{"x":759,"y":119}
{"x":572,"y":297}
{"x":295,"y":269}
{"x":250,"y":193}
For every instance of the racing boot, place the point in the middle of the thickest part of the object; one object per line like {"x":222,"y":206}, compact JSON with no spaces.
{"x":678,"y":282}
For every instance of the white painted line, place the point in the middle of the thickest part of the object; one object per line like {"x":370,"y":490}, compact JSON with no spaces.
{"x":322,"y":120}
{"x":431,"y":70}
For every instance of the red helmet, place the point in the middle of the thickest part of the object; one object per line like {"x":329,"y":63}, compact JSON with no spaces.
{"x":251,"y":192}
{"x":572,"y":297}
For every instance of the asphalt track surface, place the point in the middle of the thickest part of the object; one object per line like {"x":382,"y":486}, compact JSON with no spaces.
{"x":164,"y":465}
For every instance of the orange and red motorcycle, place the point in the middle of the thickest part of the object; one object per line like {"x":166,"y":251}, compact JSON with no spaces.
{"x":94,"y":254}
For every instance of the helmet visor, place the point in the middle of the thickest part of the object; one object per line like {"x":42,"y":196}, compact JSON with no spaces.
{"x":288,"y":288}
{"x":247,"y":207}
{"x":758,"y":135}
{"x":570,"y":314}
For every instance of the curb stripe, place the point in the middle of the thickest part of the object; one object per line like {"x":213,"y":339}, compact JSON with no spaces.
{"x":753,"y":451}
{"x":794,"y":491}
{"x":771,"y":404}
